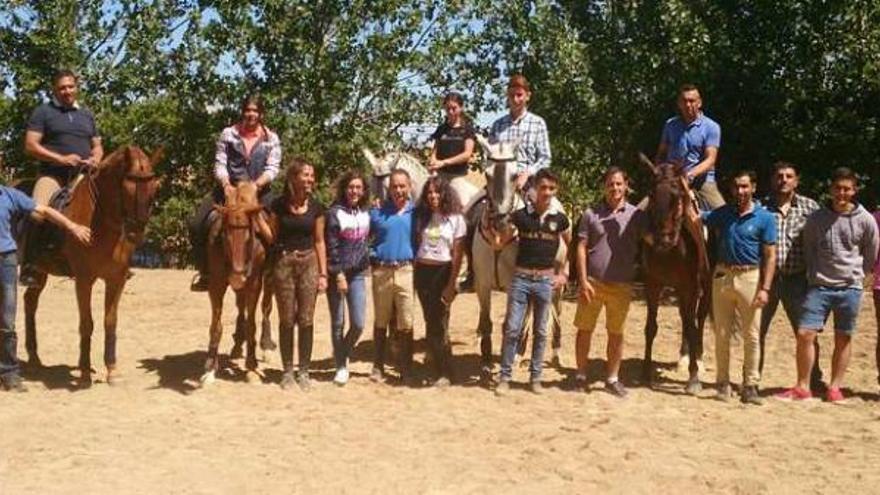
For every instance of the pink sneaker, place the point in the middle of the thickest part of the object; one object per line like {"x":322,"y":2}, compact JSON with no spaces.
{"x":835,"y":396}
{"x":794,"y":394}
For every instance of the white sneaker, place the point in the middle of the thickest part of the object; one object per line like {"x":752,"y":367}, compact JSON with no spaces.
{"x":341,"y":377}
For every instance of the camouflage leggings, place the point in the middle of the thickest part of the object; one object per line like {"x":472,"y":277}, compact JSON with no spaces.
{"x":295,"y":278}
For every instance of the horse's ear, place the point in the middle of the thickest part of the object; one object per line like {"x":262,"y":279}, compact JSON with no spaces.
{"x":648,"y":163}
{"x":371,"y":158}
{"x":157,"y":156}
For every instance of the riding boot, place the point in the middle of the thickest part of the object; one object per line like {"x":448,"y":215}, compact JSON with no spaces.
{"x":29,"y":276}
{"x":406,"y":356}
{"x":306,"y":335}
{"x":379,"y":335}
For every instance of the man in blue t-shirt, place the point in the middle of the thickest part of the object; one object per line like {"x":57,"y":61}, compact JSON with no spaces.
{"x":391,"y":256}
{"x":63,"y":137}
{"x":14,"y":206}
{"x":741,"y":284}
{"x":691,"y":139}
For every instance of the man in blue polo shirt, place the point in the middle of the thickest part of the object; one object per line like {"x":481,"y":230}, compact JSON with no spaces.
{"x":63,"y":136}
{"x":14,"y":205}
{"x":391,"y":256}
{"x":693,"y":139}
{"x":742,"y":280}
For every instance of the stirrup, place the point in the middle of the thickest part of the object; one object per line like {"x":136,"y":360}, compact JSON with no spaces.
{"x":199,"y":283}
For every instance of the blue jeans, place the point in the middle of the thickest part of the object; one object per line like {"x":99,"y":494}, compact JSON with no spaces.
{"x":8,"y":295}
{"x":523,"y":290}
{"x":356,"y":297}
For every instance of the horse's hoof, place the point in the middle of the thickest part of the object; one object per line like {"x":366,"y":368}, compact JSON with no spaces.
{"x":207,"y":379}
{"x":113,"y":378}
{"x":252,"y":377}
{"x":85,"y":381}
{"x":694,"y":387}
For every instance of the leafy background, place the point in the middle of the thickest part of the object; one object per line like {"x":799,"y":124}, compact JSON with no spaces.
{"x":789,"y":80}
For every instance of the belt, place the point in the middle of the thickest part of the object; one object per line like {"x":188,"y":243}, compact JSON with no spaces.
{"x":737,"y":268}
{"x":297,"y":253}
{"x":536,"y":272}
{"x":391,"y":264}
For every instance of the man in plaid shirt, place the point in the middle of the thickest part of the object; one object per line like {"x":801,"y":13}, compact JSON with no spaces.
{"x":533,"y":152}
{"x":790,"y":282}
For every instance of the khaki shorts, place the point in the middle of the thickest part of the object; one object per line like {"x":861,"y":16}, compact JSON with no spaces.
{"x":614,"y":297}
{"x":393,"y":296}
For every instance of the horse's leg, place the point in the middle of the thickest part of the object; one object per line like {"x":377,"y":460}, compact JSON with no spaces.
{"x":687,"y":305}
{"x":652,"y":295}
{"x":86,"y":326}
{"x":212,"y":362}
{"x":250,"y":298}
{"x":31,"y":302}
{"x":239,"y":335}
{"x":266,"y":342}
{"x":112,"y":295}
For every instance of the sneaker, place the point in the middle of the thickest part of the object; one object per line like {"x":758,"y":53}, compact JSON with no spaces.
{"x":616,"y":389}
{"x":442,"y":382}
{"x":835,"y":396}
{"x":199,"y":283}
{"x":794,"y":394}
{"x":503,"y":388}
{"x":536,"y":387}
{"x":28,"y":277}
{"x":287,"y":380}
{"x":377,"y":375}
{"x":341,"y":377}
{"x":304,"y":382}
{"x":750,"y":395}
{"x":723,"y":392}
{"x":14,"y":383}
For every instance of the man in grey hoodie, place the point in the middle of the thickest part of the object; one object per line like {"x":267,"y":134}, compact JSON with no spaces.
{"x":840,"y":247}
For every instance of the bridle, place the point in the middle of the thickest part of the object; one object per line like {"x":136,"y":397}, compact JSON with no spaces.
{"x":229,"y":227}
{"x":134,"y":223}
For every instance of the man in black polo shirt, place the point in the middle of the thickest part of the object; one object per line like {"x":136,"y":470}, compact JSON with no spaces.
{"x":63,"y":136}
{"x":540,"y":226}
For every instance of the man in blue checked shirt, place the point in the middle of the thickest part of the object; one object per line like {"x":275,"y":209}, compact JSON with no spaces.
{"x":520,"y":125}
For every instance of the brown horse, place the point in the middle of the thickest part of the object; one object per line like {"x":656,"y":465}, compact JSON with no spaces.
{"x":115,"y":199}
{"x":236,"y":260}
{"x":674,"y":255}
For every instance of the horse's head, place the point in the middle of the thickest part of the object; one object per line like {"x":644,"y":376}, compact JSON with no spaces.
{"x":382,"y":168}
{"x":139,"y":187}
{"x":666,"y":208}
{"x":499,"y":168}
{"x":239,"y":231}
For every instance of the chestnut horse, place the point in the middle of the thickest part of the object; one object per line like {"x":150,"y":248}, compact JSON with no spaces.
{"x":236,"y":258}
{"x":115,"y":199}
{"x":674,"y":255}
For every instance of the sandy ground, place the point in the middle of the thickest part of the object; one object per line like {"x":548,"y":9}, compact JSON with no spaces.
{"x":156,"y":433}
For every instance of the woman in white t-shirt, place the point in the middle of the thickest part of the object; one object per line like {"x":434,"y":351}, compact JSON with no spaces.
{"x":440,"y":232}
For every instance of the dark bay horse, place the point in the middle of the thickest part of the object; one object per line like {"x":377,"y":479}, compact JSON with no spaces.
{"x":674,"y":255}
{"x":115,"y":199}
{"x":237,"y":260}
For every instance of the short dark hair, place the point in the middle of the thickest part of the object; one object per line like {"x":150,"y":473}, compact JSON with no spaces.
{"x":342,"y":186}
{"x":400,"y":171}
{"x":61,"y":74}
{"x":546,"y":174}
{"x":614,"y":169}
{"x":744,"y":172}
{"x":844,"y":173}
{"x":684,"y":88}
{"x":782,"y":165}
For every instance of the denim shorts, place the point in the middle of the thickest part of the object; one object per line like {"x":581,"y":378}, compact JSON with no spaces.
{"x":842,"y":302}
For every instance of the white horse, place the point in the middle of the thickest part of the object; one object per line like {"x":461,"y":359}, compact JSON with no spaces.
{"x":494,"y":269}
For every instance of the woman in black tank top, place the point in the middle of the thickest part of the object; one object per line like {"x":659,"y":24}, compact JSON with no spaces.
{"x":453,"y":140}
{"x":300,"y":271}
